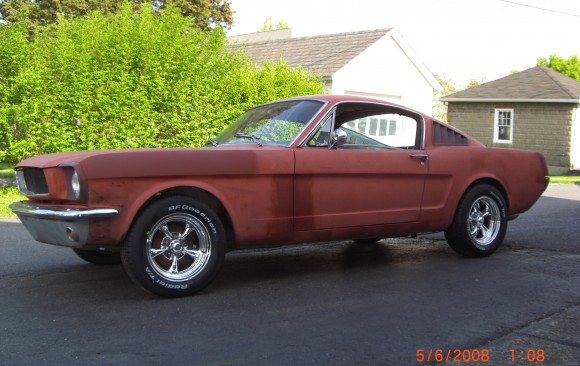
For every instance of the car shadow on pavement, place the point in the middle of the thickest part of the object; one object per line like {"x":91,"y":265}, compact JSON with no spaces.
{"x":301,"y":262}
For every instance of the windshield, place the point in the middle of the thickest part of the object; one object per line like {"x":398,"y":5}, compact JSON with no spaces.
{"x":271,"y":124}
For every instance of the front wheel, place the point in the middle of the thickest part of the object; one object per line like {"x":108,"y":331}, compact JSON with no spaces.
{"x":480,"y":222}
{"x":175,"y":247}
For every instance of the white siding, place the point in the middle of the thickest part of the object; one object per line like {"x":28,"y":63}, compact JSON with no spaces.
{"x":385,"y":71}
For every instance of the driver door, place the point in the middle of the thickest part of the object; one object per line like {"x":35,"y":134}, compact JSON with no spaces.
{"x":375,"y":177}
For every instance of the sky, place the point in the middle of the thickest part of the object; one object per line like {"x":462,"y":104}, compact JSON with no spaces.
{"x":460,"y":39}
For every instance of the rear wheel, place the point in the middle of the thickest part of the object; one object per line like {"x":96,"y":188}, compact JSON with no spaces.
{"x":175,"y":247}
{"x":480,"y":222}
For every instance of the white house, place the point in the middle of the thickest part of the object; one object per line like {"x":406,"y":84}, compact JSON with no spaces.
{"x":376,"y":63}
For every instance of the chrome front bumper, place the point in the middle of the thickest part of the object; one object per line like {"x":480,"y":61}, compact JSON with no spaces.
{"x":59,"y":225}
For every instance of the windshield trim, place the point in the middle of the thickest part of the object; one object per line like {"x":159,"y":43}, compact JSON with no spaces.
{"x":307,"y":124}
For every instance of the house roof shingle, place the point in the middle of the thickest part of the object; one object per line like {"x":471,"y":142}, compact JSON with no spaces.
{"x":323,"y":55}
{"x":534,"y":84}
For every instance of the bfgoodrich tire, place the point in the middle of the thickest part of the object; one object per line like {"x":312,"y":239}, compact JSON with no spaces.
{"x":175,"y":247}
{"x":480,"y":222}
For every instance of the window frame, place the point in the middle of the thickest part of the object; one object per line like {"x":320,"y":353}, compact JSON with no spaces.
{"x":388,"y":109}
{"x":496,"y":126}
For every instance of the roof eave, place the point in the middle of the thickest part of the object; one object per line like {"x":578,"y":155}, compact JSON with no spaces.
{"x":507,"y":100}
{"x":421,"y":67}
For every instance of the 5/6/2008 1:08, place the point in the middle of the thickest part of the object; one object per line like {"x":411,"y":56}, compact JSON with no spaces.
{"x":478,"y":355}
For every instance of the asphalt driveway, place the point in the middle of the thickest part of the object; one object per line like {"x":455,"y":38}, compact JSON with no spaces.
{"x":333,"y":303}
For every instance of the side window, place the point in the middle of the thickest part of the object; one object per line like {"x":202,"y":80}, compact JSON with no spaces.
{"x":322,"y":137}
{"x":388,"y":130}
{"x":503,"y":126}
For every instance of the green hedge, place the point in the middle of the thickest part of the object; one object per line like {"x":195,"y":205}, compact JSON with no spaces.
{"x":131,"y":79}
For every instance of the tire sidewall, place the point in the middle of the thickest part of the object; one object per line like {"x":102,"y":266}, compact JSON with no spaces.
{"x":135,"y":256}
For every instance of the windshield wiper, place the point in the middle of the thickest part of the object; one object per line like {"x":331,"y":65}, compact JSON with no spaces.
{"x":212,"y":143}
{"x":251,"y":136}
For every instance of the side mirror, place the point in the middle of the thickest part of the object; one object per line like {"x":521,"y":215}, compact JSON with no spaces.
{"x":339,"y":137}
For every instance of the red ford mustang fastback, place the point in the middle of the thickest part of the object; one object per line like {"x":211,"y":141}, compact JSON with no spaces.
{"x":304,"y":169}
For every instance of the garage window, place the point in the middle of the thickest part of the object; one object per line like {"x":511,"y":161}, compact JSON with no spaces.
{"x":503,"y":127}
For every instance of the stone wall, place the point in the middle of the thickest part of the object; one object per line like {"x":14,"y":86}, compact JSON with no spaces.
{"x":542,"y":127}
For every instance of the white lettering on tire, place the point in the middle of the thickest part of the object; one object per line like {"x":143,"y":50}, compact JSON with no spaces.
{"x":198,"y":212}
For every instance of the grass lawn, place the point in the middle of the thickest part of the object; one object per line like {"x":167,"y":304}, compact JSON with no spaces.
{"x":565,"y":179}
{"x":6,"y":170}
{"x":7,"y":196}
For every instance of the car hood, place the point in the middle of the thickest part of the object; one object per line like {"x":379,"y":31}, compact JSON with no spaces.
{"x":169,"y":162}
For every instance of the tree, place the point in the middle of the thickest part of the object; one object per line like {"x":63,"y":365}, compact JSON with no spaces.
{"x":127,"y":80}
{"x":475,"y":81}
{"x":569,"y":66}
{"x":268,"y":26}
{"x":205,"y":13}
{"x":439,"y":108}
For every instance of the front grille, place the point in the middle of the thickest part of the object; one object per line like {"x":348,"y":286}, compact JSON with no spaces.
{"x":34,"y":181}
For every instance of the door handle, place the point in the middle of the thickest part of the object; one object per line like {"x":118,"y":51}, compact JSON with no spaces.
{"x":423,"y":157}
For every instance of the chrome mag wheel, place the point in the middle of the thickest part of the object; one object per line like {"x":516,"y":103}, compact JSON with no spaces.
{"x":178,"y":247}
{"x":484,"y":220}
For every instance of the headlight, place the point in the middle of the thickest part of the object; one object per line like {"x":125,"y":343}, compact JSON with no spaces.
{"x":75,"y":185}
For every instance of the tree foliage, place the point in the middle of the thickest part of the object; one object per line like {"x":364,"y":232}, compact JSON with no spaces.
{"x":204,"y":13}
{"x":268,"y":26}
{"x":132,"y":79}
{"x":475,"y":81}
{"x":449,"y":87}
{"x":569,"y":66}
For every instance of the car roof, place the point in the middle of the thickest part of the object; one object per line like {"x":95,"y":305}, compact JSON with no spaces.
{"x":343,"y":98}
